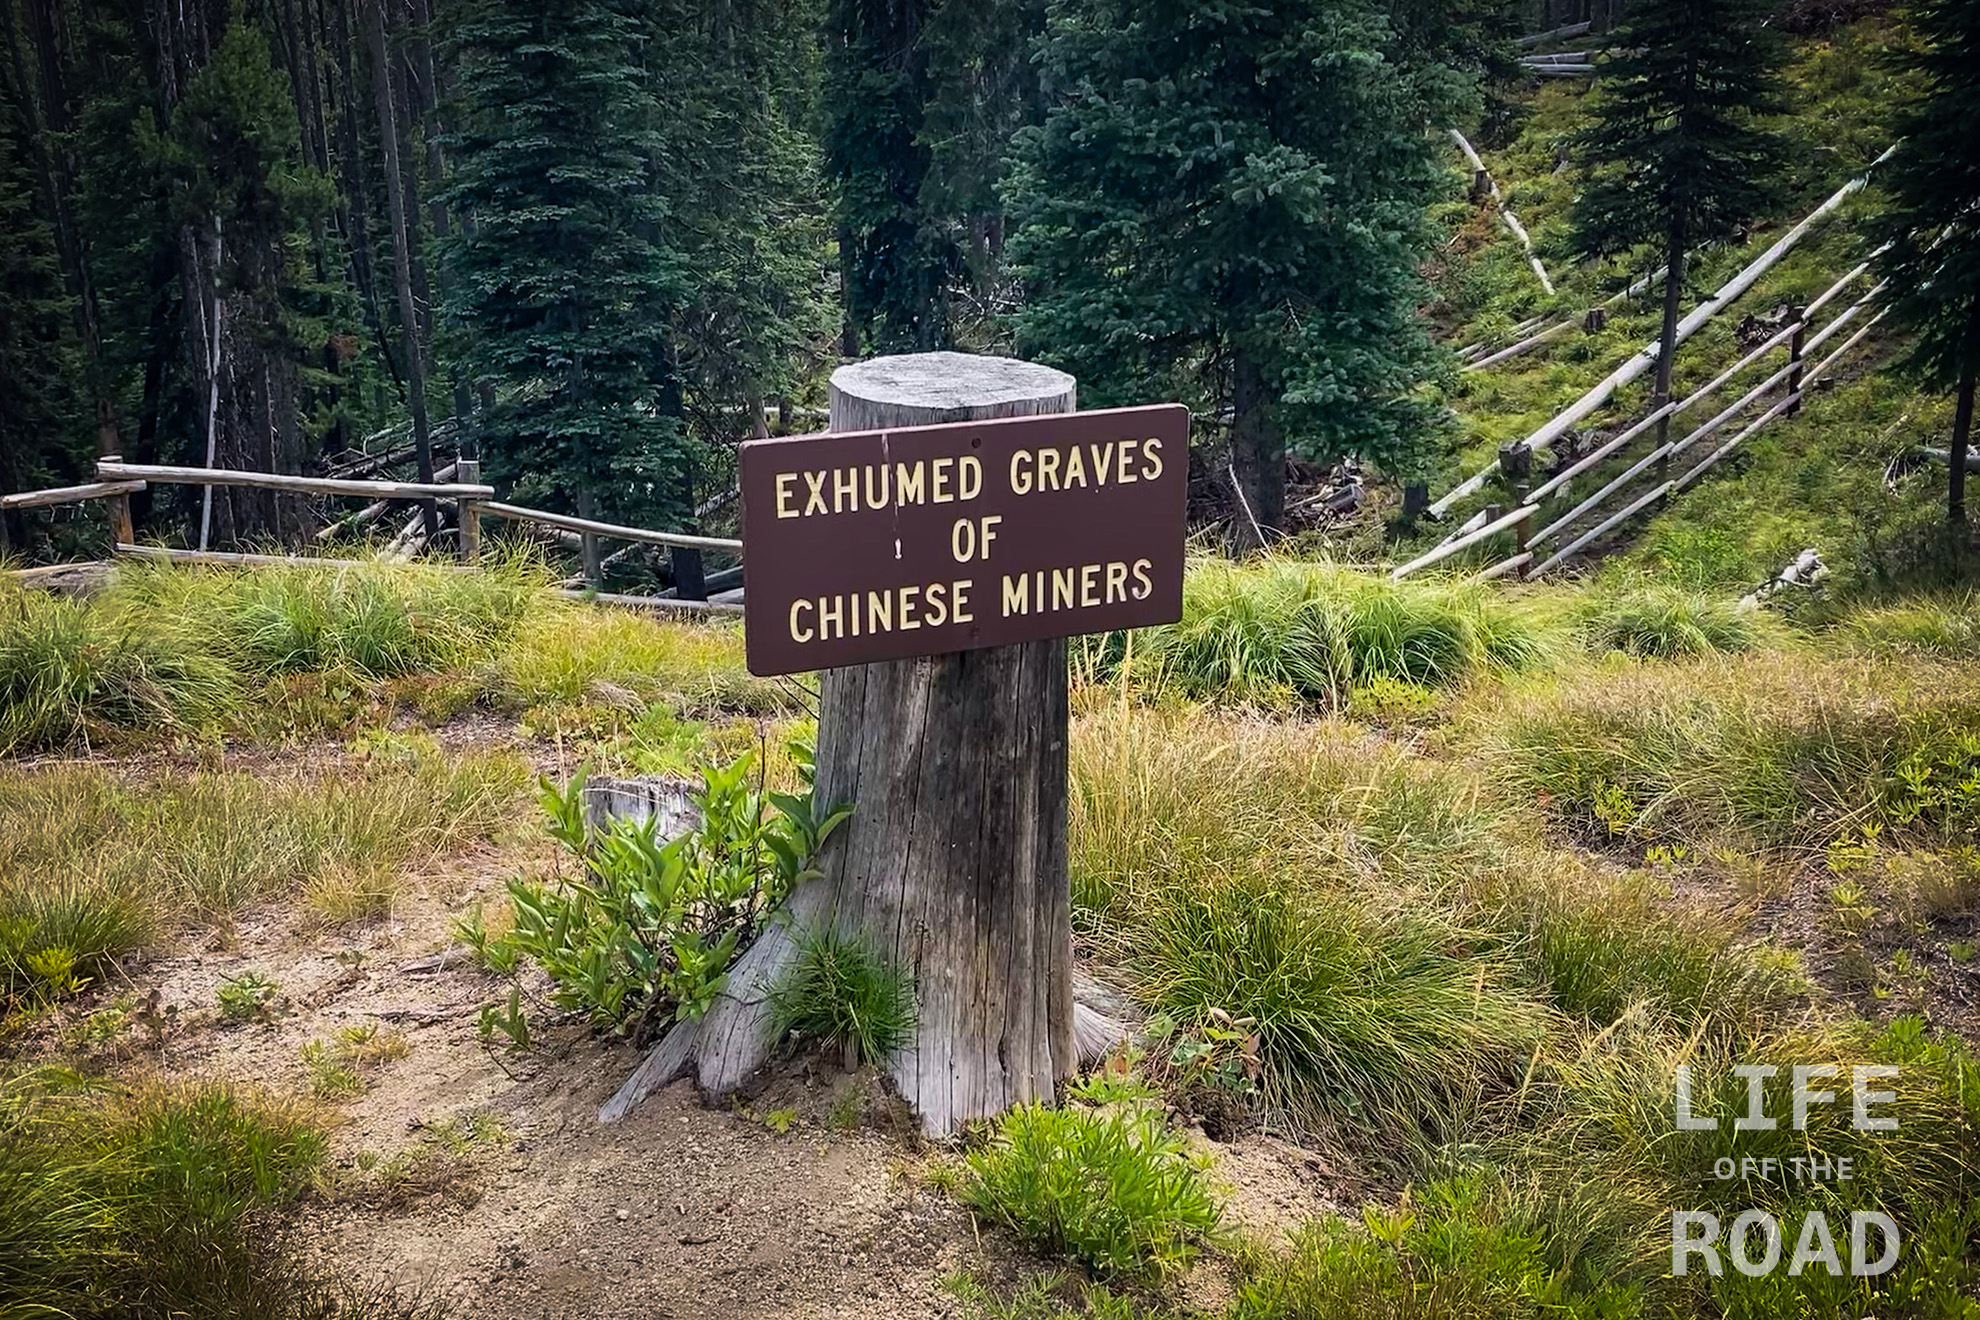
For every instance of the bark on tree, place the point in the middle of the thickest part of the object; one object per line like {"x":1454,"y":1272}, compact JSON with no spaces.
{"x":1956,"y":456}
{"x":954,"y":862}
{"x":388,"y":134}
{"x":1258,"y":458}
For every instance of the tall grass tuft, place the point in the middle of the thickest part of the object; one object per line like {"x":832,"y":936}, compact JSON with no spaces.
{"x":1285,"y":631}
{"x":1668,"y":623}
{"x":379,"y":619}
{"x":840,"y":992}
{"x":1789,"y":751}
{"x":144,"y":1201}
{"x":75,"y":670}
{"x":1300,"y":875}
{"x":1943,"y":626}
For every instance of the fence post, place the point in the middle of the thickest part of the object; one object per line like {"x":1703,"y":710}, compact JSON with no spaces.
{"x":1516,"y":465}
{"x":1798,"y":314}
{"x":467,"y":471}
{"x":689,"y":581}
{"x":121,"y":532}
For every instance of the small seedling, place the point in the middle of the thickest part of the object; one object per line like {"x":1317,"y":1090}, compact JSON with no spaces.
{"x":247,"y":996}
{"x":1960,"y":951}
{"x":509,"y":1021}
{"x":781,"y":1121}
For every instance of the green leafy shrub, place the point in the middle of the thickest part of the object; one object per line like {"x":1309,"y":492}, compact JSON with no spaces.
{"x":1111,"y":1188}
{"x":839,"y":992}
{"x":646,"y":935}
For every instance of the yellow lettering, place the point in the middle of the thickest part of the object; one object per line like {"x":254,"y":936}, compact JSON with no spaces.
{"x":1103,"y":462}
{"x":1020,"y":474}
{"x":877,"y":501}
{"x":940,"y":485}
{"x":879,"y":611}
{"x":908,"y":604}
{"x":831,"y":618}
{"x":907,"y":482}
{"x":815,"y":496}
{"x":1142,"y":586}
{"x":1017,"y":595}
{"x":959,"y":601}
{"x":938,"y":610}
{"x":797,"y":634}
{"x":1089,"y":583}
{"x":1122,"y":472}
{"x":1075,"y":468}
{"x":1062,"y":589}
{"x":1116,"y":582}
{"x":1048,"y":469}
{"x":1151,"y":459}
{"x":845,"y":486}
{"x":969,"y":477}
{"x":786,"y":488}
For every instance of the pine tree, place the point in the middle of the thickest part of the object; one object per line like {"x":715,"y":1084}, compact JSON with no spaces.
{"x":898,"y":259}
{"x":562,"y":277}
{"x":1226,"y":204}
{"x":1933,"y":222}
{"x":245,"y":199}
{"x":739,"y":172}
{"x":42,"y":431}
{"x":1679,"y":152}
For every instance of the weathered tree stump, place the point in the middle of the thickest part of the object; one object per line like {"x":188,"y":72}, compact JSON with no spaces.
{"x":953,"y":864}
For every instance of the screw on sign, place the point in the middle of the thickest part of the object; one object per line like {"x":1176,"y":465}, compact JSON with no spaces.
{"x":926,"y":540}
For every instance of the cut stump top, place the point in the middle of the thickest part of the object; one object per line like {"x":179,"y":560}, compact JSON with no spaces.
{"x":929,"y":388}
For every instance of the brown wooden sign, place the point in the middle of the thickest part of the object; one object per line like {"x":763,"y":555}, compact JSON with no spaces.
{"x":880,"y":545}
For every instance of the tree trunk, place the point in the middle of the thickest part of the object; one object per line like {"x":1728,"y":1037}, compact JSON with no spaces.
{"x":1956,"y":456}
{"x":953,"y":865}
{"x":1258,"y":457}
{"x":388,"y":134}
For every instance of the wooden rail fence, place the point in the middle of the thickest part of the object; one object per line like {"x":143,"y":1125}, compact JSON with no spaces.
{"x":473,"y":501}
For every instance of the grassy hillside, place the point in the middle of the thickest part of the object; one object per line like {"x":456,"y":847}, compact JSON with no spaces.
{"x":1813,"y":481}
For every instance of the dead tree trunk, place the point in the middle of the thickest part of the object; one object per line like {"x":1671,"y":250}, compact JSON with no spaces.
{"x":402,"y":256}
{"x":954,"y":862}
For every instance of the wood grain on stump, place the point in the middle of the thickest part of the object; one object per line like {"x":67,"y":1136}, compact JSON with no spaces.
{"x":953,"y":864}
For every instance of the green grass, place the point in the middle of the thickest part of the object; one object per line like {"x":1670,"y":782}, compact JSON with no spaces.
{"x":78,"y":672}
{"x":1669,"y":623}
{"x":1923,"y":626}
{"x":1786,"y":751}
{"x":1231,"y":863}
{"x":97,"y":866}
{"x":1283,"y":631}
{"x":1107,"y":1187}
{"x":153,"y":1202}
{"x":840,"y":993}
{"x":275,"y":651}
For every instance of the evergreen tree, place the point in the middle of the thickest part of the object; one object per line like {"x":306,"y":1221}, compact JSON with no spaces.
{"x":1226,"y":204}
{"x":897,"y":259}
{"x":1679,"y":152}
{"x":562,"y":277}
{"x":739,"y":171}
{"x":42,"y":435}
{"x":245,"y":200}
{"x":1933,"y":222}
